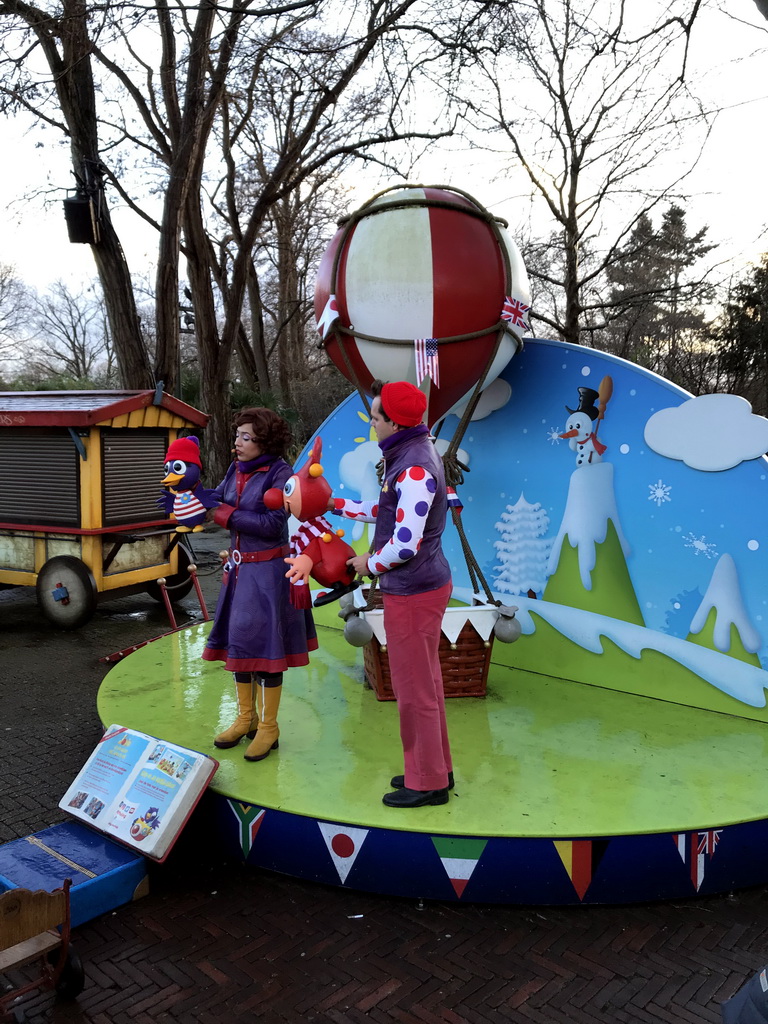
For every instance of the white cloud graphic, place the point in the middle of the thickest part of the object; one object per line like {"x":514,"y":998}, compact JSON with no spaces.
{"x":710,"y":433}
{"x":461,"y":453}
{"x":494,"y":397}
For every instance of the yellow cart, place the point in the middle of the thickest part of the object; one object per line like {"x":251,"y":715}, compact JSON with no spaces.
{"x":80,"y":476}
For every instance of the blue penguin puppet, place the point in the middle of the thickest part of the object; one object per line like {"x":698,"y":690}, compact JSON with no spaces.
{"x":185,"y":498}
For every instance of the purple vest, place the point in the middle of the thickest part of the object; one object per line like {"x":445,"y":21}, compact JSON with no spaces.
{"x":428,"y":569}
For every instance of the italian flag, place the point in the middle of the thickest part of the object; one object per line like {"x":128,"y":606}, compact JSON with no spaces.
{"x":459,"y":857}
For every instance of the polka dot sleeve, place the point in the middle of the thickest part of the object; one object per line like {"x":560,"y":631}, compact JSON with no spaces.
{"x":415,"y":489}
{"x":363,"y":511}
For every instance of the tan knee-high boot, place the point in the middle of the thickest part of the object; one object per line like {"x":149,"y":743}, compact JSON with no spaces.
{"x":247,"y":720}
{"x":268,"y":698}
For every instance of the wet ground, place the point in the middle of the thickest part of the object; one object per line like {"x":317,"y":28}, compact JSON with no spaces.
{"x":48,"y":685}
{"x":214,"y":942}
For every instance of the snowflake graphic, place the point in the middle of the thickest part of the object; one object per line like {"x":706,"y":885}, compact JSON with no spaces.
{"x":659,"y":492}
{"x":553,"y":435}
{"x":700,"y":546}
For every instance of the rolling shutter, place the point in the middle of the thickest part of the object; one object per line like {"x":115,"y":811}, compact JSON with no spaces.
{"x":133,"y":468}
{"x":39,"y":479}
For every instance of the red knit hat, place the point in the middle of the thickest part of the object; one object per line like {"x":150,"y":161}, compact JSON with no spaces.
{"x":403,"y":403}
{"x":185,"y":448}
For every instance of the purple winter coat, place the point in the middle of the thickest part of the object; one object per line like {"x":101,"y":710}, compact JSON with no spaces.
{"x":256,"y":629}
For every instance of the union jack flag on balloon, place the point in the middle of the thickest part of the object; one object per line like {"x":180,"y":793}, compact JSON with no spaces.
{"x":514,"y":312}
{"x":424,"y":263}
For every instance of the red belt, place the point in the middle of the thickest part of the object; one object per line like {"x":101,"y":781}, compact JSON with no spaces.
{"x":259,"y":556}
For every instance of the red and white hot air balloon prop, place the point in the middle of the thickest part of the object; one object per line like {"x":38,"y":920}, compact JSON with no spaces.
{"x":422,"y":284}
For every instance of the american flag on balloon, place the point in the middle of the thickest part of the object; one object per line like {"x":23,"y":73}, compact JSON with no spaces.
{"x":427,"y":360}
{"x":514,"y":312}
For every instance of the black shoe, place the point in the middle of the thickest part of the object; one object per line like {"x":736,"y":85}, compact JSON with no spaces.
{"x":415,"y":797}
{"x":398,"y":781}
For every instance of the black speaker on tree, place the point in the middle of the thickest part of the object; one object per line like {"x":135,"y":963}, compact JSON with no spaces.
{"x":80,"y":215}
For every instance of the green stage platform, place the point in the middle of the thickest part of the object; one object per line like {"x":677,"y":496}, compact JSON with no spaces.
{"x":538,"y":757}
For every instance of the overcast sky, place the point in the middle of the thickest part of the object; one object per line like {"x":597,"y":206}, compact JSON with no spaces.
{"x":729,"y":67}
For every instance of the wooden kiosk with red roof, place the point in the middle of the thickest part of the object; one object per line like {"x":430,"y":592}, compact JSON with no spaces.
{"x":81,"y":475}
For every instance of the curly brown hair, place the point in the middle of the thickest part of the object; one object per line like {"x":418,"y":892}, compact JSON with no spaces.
{"x":376,"y":389}
{"x":270,"y":431}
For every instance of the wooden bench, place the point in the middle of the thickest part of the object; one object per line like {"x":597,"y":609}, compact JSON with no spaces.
{"x":33,"y":927}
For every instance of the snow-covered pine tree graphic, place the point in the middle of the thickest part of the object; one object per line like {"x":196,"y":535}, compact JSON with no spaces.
{"x":523,"y":550}
{"x":722,"y":622}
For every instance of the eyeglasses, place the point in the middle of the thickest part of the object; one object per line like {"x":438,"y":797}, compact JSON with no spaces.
{"x":242,"y":437}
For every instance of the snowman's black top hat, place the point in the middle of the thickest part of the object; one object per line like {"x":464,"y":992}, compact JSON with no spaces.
{"x":587,"y":398}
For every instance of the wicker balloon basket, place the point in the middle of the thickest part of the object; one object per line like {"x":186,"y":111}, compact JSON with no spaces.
{"x":465,"y":653}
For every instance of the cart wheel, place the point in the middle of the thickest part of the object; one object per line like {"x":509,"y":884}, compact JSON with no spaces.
{"x":72,"y":978}
{"x":66,"y":592}
{"x":178,"y":585}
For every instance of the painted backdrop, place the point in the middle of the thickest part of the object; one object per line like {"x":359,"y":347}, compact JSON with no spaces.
{"x":625,"y":519}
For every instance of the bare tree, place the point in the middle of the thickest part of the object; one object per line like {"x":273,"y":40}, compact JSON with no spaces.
{"x":15,"y":300}
{"x":154,"y":80}
{"x":70,"y":339}
{"x":67,"y":100}
{"x":591,"y":106}
{"x":295,"y":118}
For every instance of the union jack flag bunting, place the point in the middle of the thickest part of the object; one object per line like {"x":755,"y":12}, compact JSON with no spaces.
{"x":330,"y":315}
{"x":427,"y":360}
{"x":696,"y":850}
{"x":514,"y":311}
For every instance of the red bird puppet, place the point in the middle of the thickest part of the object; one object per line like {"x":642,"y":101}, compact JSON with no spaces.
{"x":317,"y":550}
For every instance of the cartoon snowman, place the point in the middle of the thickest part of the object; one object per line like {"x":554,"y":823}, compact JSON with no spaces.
{"x":580,"y":430}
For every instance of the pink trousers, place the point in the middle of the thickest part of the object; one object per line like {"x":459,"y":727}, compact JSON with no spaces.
{"x":412,"y":624}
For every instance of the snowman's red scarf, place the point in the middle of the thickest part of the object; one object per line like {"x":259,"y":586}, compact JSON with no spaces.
{"x":597,"y":445}
{"x":309,"y":530}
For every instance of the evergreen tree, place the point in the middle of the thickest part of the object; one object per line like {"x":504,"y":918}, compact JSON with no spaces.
{"x":681,"y":318}
{"x":523,"y":549}
{"x":742,"y":338}
{"x":635,"y":278}
{"x":658,"y":320}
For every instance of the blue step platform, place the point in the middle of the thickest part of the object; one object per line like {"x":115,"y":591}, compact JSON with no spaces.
{"x":104,"y":875}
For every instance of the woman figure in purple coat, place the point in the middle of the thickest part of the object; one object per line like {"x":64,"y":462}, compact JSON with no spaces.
{"x":256,"y":631}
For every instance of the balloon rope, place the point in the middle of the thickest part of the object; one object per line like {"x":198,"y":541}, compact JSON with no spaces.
{"x":352,"y":375}
{"x":371,"y":593}
{"x":339,"y":331}
{"x":454,"y":476}
{"x":454,"y":470}
{"x":452,"y":464}
{"x":473,"y":566}
{"x":407,"y":204}
{"x":501,"y":325}
{"x":475,"y":210}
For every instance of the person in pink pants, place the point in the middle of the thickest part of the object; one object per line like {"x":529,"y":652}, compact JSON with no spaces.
{"x":415,"y":582}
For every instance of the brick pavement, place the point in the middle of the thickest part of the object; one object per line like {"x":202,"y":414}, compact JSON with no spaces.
{"x":216,"y":942}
